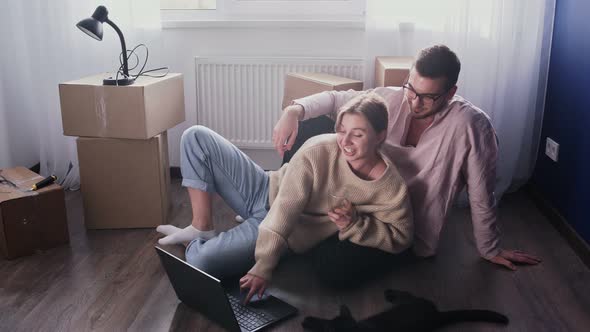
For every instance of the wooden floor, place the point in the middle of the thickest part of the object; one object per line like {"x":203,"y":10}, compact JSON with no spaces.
{"x":111,"y":280}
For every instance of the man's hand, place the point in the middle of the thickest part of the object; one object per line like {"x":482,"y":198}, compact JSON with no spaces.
{"x":255,"y":284}
{"x":285,"y":131}
{"x":343,"y":215}
{"x":508,"y":258}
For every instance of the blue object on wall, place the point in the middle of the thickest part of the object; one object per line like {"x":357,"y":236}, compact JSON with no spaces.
{"x":566,"y":184}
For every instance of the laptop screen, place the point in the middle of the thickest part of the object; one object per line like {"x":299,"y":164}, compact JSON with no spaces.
{"x":199,"y":290}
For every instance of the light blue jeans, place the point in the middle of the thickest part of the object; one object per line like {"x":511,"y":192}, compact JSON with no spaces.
{"x":211,"y":163}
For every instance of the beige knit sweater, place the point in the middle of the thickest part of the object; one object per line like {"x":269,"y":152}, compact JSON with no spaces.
{"x":299,"y":198}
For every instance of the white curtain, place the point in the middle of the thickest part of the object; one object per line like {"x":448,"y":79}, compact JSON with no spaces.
{"x":504,"y":50}
{"x":42,"y":47}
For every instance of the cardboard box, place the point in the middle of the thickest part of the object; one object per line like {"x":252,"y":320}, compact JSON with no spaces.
{"x":124,"y":182}
{"x":392,"y":70}
{"x":139,"y":111}
{"x":298,"y":85}
{"x":30,"y":220}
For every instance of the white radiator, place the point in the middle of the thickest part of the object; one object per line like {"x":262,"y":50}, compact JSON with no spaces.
{"x":240,"y":98}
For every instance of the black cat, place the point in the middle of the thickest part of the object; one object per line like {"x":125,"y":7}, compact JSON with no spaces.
{"x":409,"y":314}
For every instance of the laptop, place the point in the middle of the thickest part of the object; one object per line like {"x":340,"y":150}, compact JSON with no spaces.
{"x":219,"y":303}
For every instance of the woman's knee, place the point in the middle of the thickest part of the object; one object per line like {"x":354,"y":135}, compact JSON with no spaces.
{"x":195,"y":134}
{"x":202,"y":257}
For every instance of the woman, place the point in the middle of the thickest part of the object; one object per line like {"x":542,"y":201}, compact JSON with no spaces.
{"x":291,"y":209}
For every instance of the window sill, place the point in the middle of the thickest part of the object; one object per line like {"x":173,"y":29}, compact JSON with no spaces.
{"x":256,"y":24}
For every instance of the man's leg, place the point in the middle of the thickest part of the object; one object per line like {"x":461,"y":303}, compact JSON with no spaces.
{"x":343,"y":264}
{"x":308,"y":129}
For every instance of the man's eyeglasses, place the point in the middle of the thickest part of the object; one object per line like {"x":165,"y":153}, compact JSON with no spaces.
{"x":427,"y":99}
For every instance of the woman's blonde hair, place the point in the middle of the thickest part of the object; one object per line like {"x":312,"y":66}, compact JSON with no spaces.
{"x":371,"y":106}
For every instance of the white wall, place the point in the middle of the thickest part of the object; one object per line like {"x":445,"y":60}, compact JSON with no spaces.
{"x":5,"y":156}
{"x":19,"y":141}
{"x":180,"y":46}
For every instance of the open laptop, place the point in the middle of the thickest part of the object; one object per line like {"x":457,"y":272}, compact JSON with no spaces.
{"x":222,"y":305}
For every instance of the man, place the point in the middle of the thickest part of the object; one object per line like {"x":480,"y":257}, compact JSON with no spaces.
{"x":440,"y":143}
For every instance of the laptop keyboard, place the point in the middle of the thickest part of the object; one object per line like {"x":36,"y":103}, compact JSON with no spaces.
{"x":246,"y":317}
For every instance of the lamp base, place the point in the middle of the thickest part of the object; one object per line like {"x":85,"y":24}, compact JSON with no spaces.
{"x":121,"y":81}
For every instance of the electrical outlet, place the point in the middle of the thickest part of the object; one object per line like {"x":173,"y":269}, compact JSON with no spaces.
{"x":552,"y":149}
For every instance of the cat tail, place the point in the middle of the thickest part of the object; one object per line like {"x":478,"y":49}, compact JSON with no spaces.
{"x":457,"y":316}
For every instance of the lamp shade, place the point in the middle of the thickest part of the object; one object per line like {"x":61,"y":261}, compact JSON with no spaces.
{"x":91,"y":27}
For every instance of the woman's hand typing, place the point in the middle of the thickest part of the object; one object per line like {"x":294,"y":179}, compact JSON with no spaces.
{"x":255,"y":284}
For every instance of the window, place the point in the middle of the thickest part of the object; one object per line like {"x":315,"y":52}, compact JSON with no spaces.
{"x":187,"y":4}
{"x":262,"y":10}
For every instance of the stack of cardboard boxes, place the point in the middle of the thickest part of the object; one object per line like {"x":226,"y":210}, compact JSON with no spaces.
{"x":122,"y":147}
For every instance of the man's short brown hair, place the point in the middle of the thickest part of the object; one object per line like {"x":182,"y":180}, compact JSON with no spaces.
{"x":438,"y":61}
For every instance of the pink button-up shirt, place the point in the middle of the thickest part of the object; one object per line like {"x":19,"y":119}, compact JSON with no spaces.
{"x":458,"y":149}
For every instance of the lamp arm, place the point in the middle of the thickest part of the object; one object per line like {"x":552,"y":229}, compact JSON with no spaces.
{"x":123,"y":47}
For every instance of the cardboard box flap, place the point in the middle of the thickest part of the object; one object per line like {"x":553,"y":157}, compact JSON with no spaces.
{"x":15,"y":182}
{"x":392,"y":70}
{"x":298,"y":85}
{"x":396,"y":62}
{"x":97,"y":80}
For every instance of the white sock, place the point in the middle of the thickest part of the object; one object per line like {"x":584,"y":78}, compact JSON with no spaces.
{"x":167,"y":229}
{"x":186,"y":235}
{"x":239,"y":219}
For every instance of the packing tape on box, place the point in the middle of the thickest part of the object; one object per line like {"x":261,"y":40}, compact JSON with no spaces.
{"x":18,"y":182}
{"x":100,"y":108}
{"x":19,"y":185}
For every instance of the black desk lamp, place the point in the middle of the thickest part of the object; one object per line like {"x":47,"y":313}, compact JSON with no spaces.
{"x":92,"y":26}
